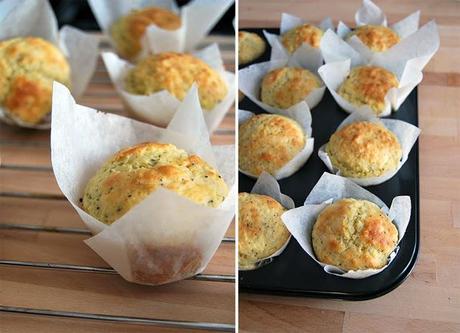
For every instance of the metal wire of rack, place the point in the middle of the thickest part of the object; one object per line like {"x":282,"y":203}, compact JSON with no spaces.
{"x":104,"y":270}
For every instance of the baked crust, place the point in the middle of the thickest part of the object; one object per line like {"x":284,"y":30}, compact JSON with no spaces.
{"x":368,"y":85}
{"x":376,"y":37}
{"x":261,"y":232}
{"x":176,"y":72}
{"x":287,"y":86}
{"x":28,"y":67}
{"x":128,"y":30}
{"x":250,"y":47}
{"x":354,"y":235}
{"x":133,"y":173}
{"x":364,"y":149}
{"x":266,"y":142}
{"x":305,"y":33}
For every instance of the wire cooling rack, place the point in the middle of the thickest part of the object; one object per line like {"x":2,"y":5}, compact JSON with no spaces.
{"x":25,"y":158}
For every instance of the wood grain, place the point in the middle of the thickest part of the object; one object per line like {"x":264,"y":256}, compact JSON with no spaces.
{"x":25,"y":168}
{"x":25,"y":245}
{"x":429,"y":300}
{"x":13,"y":323}
{"x":307,"y":319}
{"x":110,"y":294}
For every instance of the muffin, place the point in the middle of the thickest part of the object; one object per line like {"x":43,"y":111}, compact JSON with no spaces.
{"x":368,"y":85}
{"x":305,"y":33}
{"x":287,"y":86}
{"x":266,"y":142}
{"x":28,"y":67}
{"x":128,"y":30}
{"x":364,"y":149}
{"x":172,"y":262}
{"x":175,"y":73}
{"x":261,"y":231}
{"x":133,"y":173}
{"x":376,"y":37}
{"x":250,"y":47}
{"x":354,"y":235}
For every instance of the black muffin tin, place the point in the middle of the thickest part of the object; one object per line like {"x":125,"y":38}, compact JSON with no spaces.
{"x":294,"y":272}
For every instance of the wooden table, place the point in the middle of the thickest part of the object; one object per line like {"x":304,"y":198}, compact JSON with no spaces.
{"x":429,"y":300}
{"x":38,"y":225}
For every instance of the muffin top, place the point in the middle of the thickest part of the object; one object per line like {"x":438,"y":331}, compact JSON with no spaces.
{"x":354,"y":235}
{"x":287,"y":86}
{"x":364,"y":149}
{"x":176,"y":72}
{"x":261,"y":232}
{"x":250,"y":47}
{"x":128,"y":30}
{"x":376,"y":37}
{"x":133,"y":173}
{"x":368,"y":85}
{"x":266,"y":142}
{"x":28,"y":67}
{"x":305,"y":33}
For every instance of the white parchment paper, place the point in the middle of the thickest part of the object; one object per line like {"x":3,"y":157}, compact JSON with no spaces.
{"x":335,"y":73}
{"x":416,"y":45}
{"x":156,"y":240}
{"x":305,"y":54}
{"x":267,"y":185}
{"x":330,"y":188}
{"x":159,"y":108}
{"x":198,"y":17}
{"x":300,"y":113}
{"x":37,"y":19}
{"x":250,"y":79}
{"x":406,"y":133}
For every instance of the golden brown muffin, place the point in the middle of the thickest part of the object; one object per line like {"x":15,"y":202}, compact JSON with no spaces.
{"x":250,"y":47}
{"x":128,"y":30}
{"x":266,"y":142}
{"x":364,"y":149}
{"x":133,"y":173}
{"x":176,"y":72}
{"x":287,"y":86}
{"x":376,"y":37}
{"x":28,"y":67}
{"x":354,"y":235}
{"x":368,"y":85}
{"x":261,"y":232}
{"x":305,"y":33}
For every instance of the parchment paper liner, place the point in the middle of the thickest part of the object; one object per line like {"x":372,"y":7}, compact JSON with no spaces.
{"x":416,"y":44}
{"x":198,"y":17}
{"x":37,"y":19}
{"x":250,"y":78}
{"x":302,"y":115}
{"x":267,"y":185}
{"x":164,"y":228}
{"x":406,"y":133}
{"x":305,"y":54}
{"x":335,"y":73}
{"x":330,"y":188}
{"x":159,"y":108}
